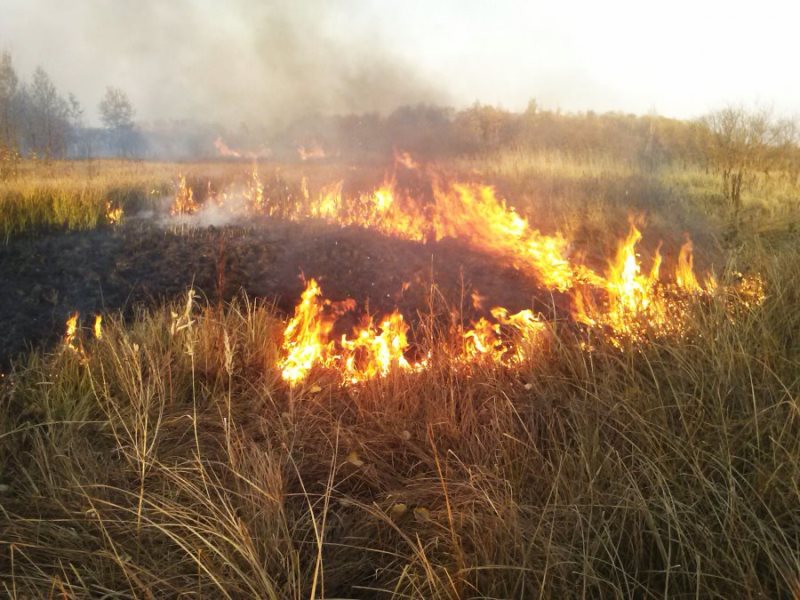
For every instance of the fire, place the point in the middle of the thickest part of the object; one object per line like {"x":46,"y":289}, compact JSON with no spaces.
{"x":256,"y":192}
{"x":305,"y":340}
{"x":376,"y":348}
{"x":684,"y":273}
{"x":465,"y":211}
{"x":224,"y":150}
{"x":314,"y":151}
{"x":474,"y":213}
{"x":404,"y":159}
{"x":71,"y":335}
{"x":113,"y":213}
{"x":98,"y":327}
{"x":372,"y":351}
{"x":634,"y":300}
{"x":631,"y":298}
{"x":375,"y":351}
{"x":507,"y":341}
{"x":483,"y":339}
{"x":184,"y":203}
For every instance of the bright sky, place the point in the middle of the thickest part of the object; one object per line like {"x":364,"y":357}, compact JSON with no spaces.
{"x":680,"y":58}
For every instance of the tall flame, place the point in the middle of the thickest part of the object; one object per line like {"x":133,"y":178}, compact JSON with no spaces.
{"x":184,"y":203}
{"x":684,"y":272}
{"x":71,"y":335}
{"x":256,"y":191}
{"x":305,"y":338}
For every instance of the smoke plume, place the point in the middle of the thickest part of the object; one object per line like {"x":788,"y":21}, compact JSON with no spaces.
{"x":241,"y":61}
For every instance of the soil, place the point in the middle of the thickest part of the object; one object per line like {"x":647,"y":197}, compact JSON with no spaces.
{"x":144,"y":262}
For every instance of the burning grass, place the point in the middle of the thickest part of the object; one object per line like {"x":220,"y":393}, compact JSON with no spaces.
{"x":168,"y":456}
{"x":645,"y":446}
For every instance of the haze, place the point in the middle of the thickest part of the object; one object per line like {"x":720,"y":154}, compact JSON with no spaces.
{"x":245,"y":60}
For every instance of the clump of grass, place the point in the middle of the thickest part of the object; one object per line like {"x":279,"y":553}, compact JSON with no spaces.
{"x":168,"y":458}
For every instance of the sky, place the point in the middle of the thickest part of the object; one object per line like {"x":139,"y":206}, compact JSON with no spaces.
{"x":264,"y":60}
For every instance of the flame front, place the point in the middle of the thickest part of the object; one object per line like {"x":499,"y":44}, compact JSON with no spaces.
{"x":377,"y":348}
{"x":629,"y":300}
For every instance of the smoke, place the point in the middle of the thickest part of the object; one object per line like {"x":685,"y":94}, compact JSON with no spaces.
{"x":242,"y":61}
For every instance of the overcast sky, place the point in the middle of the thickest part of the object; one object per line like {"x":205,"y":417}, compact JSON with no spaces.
{"x":239,"y":60}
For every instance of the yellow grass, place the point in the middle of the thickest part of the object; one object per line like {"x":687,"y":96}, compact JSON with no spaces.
{"x":168,"y":458}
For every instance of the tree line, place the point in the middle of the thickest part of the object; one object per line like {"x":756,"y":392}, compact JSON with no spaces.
{"x":37,"y":120}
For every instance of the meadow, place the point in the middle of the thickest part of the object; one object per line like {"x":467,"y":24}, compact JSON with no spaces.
{"x":167,"y":457}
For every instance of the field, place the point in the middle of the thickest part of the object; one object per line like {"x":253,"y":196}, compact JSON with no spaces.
{"x":176,"y":451}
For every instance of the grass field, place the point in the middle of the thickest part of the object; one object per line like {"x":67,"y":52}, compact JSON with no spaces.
{"x":169,"y":459}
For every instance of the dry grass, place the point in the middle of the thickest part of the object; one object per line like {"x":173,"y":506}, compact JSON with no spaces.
{"x":170,"y":460}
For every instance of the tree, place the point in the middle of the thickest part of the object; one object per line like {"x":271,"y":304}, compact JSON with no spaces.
{"x":8,"y":89}
{"x":48,"y":116}
{"x":740,"y":142}
{"x":116,"y":109}
{"x":116,"y":112}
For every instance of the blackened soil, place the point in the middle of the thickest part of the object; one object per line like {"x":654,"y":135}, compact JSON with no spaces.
{"x":45,"y":278}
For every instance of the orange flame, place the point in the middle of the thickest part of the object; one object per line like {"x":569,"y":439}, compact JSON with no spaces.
{"x":305,"y":339}
{"x":684,"y":272}
{"x":71,"y":335}
{"x":372,"y":351}
{"x":256,"y":192}
{"x":184,"y":203}
{"x":404,"y":159}
{"x":508,"y":341}
{"x":113,"y":213}
{"x":470,"y":212}
{"x":635,"y":301}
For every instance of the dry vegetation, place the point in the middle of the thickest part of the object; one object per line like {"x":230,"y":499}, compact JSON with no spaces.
{"x":169,"y":459}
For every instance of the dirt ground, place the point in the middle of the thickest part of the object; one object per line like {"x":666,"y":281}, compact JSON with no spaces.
{"x":146,"y":261}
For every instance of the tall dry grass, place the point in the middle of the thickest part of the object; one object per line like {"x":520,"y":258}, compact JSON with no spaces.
{"x":167,"y":459}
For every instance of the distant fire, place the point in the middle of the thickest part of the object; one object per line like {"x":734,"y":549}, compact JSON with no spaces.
{"x":226,"y":151}
{"x":113,"y":213}
{"x":311,"y":152}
